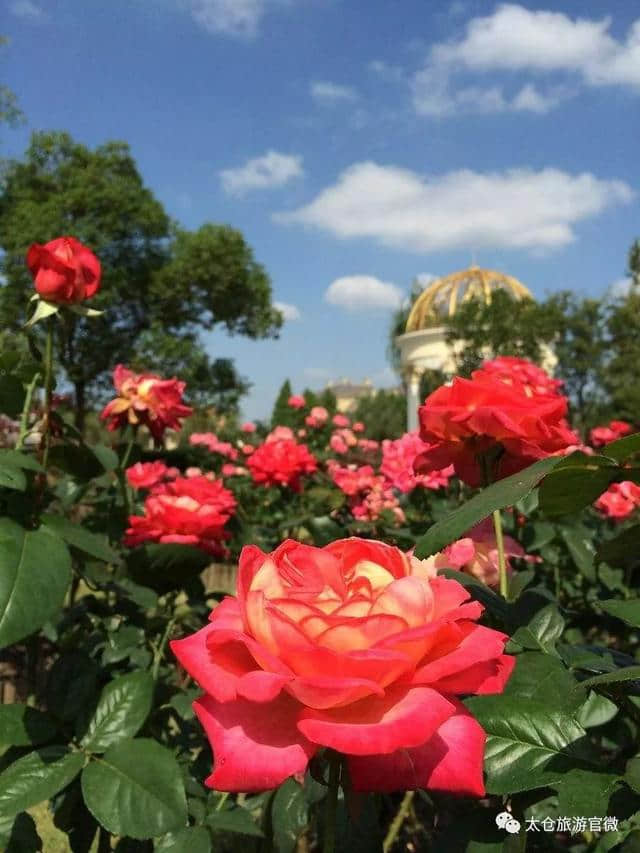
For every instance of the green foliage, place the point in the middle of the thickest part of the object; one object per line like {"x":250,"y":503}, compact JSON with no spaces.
{"x":384,"y":414}
{"x":283,"y":413}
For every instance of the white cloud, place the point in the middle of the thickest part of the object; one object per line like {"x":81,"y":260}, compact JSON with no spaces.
{"x":424,"y":279}
{"x":518,"y":208}
{"x":517,"y":39}
{"x":238,"y":18}
{"x":288,"y":311}
{"x":620,"y":288}
{"x":361,"y":292}
{"x":271,"y":170}
{"x":27,"y":9}
{"x":329,"y":93}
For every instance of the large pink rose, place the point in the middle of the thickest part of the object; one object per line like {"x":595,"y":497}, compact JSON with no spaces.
{"x":64,"y":270}
{"x":355,"y":647}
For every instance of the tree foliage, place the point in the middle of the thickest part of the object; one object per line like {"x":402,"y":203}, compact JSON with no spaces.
{"x":159,"y":281}
{"x":384,"y":413}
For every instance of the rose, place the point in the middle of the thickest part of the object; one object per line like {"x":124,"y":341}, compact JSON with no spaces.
{"x":489,"y":429}
{"x":620,"y":500}
{"x":281,"y":462}
{"x":248,"y":426}
{"x":187,"y":511}
{"x":145,"y":399}
{"x":477,"y":554}
{"x":64,"y":271}
{"x":398,"y":457}
{"x":510,"y":369}
{"x":602,"y":435}
{"x":295,"y":401}
{"x":340,"y":420}
{"x":355,"y":647}
{"x":145,"y":475}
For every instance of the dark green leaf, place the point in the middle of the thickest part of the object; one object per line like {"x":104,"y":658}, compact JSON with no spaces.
{"x":11,"y":395}
{"x":537,"y":674}
{"x":361,"y":832}
{"x":234,"y":820}
{"x":628,"y":673}
{"x":289,"y":815}
{"x":77,"y":536}
{"x":17,"y":459}
{"x":12,"y":478}
{"x":623,"y":550}
{"x":628,"y":611}
{"x":542,"y":631}
{"x":23,"y":836}
{"x":324,"y":530}
{"x":529,"y":745}
{"x":166,"y":567}
{"x":21,"y":725}
{"x":584,"y":792}
{"x":136,"y":789}
{"x":580,"y":546}
{"x":194,"y":839}
{"x":78,"y":460}
{"x":632,"y":773}
{"x":623,"y":448}
{"x":596,"y":711}
{"x":569,"y":489}
{"x":71,"y":685}
{"x":122,"y":709}
{"x":72,"y":817}
{"x":497,"y":496}
{"x":494,"y":603}
{"x":36,"y":777}
{"x":35,"y":571}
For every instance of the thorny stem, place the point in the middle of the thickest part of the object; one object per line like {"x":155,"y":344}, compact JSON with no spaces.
{"x":26,"y":409}
{"x":159,"y":650}
{"x":399,"y":819}
{"x":122,"y":476}
{"x":48,"y":392}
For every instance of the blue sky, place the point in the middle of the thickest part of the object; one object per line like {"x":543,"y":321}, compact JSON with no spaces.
{"x":357,"y":144}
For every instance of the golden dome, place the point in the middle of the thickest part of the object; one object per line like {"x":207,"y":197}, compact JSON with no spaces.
{"x":441,"y":299}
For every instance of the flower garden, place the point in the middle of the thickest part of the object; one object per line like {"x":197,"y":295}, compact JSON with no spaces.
{"x":297,"y":638}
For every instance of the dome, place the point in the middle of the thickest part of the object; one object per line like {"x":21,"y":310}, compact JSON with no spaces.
{"x":441,"y":298}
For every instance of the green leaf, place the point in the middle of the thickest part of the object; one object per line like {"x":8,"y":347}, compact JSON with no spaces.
{"x":123,"y":707}
{"x":166,"y":567}
{"x":21,"y":836}
{"x":596,"y":711}
{"x":16,"y":459}
{"x":584,"y":792}
{"x":628,"y":611}
{"x":12,"y":478}
{"x":78,"y":537}
{"x":324,"y":530}
{"x":543,"y":630}
{"x":71,"y":685}
{"x":289,"y":815}
{"x":570,"y":488}
{"x":12,"y":395}
{"x":194,"y":839}
{"x":36,"y":777}
{"x":537,"y":674}
{"x":623,"y":550}
{"x":529,"y":745}
{"x":627,"y":673}
{"x":623,"y":448}
{"x":35,"y":572}
{"x":580,"y":545}
{"x":497,"y":496}
{"x":85,"y":311}
{"x":21,"y":725}
{"x":78,"y":460}
{"x":236,"y":820}
{"x":136,"y":789}
{"x":632,"y":773}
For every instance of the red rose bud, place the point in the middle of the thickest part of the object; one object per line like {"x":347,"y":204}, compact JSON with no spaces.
{"x":64,"y":271}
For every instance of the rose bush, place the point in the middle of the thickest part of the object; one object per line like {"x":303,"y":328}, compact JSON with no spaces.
{"x":355,"y":647}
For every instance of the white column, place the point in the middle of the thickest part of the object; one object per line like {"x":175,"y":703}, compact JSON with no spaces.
{"x":413,"y":399}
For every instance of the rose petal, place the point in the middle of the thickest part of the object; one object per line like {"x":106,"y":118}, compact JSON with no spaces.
{"x":402,"y":717}
{"x":255,"y":746}
{"x":330,"y":692}
{"x":474,"y":645}
{"x":451,"y":760}
{"x":485,"y":677}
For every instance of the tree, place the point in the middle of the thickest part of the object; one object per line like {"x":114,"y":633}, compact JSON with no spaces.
{"x":10,"y":112}
{"x":384,"y":414}
{"x":620,"y":372}
{"x":158,"y":279}
{"x":282,"y":413}
{"x":504,"y":326}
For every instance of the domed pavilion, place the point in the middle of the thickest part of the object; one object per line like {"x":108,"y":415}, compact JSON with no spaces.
{"x":424,"y":346}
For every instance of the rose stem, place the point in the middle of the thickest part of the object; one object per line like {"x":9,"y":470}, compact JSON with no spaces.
{"x":122,"y":476}
{"x":399,"y":819}
{"x":502,"y":566}
{"x":331,"y":805}
{"x":48,"y":391}
{"x":26,"y":409}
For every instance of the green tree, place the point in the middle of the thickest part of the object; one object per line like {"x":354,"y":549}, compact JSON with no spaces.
{"x":620,"y":373}
{"x":158,"y":279}
{"x":10,"y":112}
{"x":384,"y":414}
{"x":282,"y":413}
{"x":504,"y":326}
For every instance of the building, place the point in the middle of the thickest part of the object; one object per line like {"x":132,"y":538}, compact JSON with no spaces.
{"x":424,"y":346}
{"x":348,"y":393}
